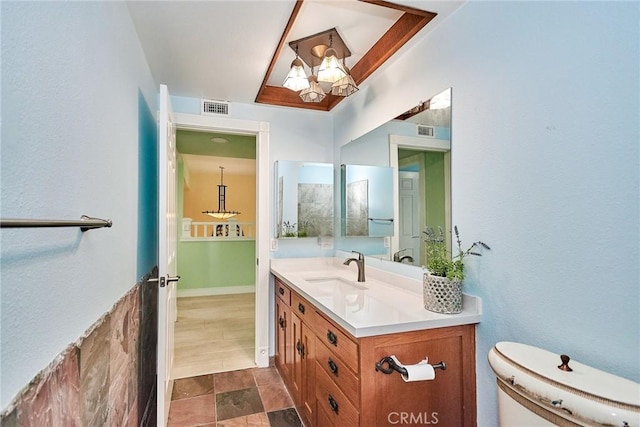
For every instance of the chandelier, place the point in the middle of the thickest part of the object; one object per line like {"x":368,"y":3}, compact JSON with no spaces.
{"x":222,"y":212}
{"x":323,"y":50}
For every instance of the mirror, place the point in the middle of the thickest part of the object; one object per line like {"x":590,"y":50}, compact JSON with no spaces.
{"x":416,"y":145}
{"x":304,"y":199}
{"x":366,"y":200}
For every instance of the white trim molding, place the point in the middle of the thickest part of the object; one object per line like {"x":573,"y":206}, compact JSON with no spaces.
{"x":220,"y":290}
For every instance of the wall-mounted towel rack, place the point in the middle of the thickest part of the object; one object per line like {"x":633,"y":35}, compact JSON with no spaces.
{"x":85,"y":223}
{"x":381,"y":219}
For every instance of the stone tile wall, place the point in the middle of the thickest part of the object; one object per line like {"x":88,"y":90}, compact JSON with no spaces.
{"x":106,"y":378}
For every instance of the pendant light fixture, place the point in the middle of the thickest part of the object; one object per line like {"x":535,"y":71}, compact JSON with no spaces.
{"x":222,"y":212}
{"x":296,"y":79}
{"x":330,"y":69}
{"x":345,"y":86}
{"x":314,"y":92}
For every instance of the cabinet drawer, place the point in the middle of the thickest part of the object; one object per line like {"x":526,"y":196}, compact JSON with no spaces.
{"x":337,"y":341}
{"x":338,"y":371}
{"x":302,"y":309}
{"x":331,"y":401}
{"x":283,"y":292}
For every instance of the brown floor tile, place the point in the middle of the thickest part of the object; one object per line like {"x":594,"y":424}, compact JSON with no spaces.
{"x":193,"y":411}
{"x":284,"y":418}
{"x":266,"y":375}
{"x":192,"y":387}
{"x":254,"y":420}
{"x":275,"y":396}
{"x":234,"y":380}
{"x":238,"y":403}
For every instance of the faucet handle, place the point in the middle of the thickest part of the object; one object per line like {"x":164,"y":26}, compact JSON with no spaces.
{"x":360,"y":255}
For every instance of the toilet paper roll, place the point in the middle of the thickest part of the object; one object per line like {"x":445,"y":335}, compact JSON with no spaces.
{"x":422,"y":371}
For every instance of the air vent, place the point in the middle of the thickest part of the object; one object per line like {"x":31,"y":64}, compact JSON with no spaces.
{"x":429,"y":131}
{"x":217,"y":108}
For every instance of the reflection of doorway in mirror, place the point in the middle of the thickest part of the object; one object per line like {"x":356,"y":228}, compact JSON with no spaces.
{"x":409,"y":218}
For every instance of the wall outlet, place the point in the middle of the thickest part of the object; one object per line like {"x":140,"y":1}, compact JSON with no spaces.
{"x":387,"y":241}
{"x":274,"y":244}
{"x":325,"y":242}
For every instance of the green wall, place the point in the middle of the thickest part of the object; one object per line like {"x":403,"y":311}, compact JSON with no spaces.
{"x":216,"y":264}
{"x":435,"y":189}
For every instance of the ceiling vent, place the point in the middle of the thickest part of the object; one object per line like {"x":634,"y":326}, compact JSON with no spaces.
{"x":215,"y":108}
{"x":429,"y":131}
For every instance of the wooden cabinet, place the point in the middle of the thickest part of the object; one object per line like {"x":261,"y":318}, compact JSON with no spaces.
{"x":295,"y":349}
{"x":331,"y":375}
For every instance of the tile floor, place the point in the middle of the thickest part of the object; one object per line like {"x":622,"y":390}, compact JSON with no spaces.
{"x":249,"y":397}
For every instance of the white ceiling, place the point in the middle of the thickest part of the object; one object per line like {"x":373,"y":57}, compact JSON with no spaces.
{"x":222,"y":49}
{"x":211,"y":165}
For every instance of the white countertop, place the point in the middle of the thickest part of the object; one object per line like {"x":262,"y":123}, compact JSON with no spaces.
{"x":385,"y":303}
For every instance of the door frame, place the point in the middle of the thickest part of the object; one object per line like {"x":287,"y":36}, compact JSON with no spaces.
{"x":415,"y":143}
{"x":263,"y":219}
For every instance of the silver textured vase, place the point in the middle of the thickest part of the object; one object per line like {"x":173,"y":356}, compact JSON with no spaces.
{"x":442,"y":295}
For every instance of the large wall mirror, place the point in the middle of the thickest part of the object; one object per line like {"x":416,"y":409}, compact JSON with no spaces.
{"x":304,"y":199}
{"x":416,"y":145}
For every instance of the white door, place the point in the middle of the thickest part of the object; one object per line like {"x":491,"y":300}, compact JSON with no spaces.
{"x":409,"y":216}
{"x":167,"y":251}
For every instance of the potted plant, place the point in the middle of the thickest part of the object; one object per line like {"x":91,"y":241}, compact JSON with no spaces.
{"x":288,"y":229}
{"x":442,"y":283}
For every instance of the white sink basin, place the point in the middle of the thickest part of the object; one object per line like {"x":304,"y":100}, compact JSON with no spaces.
{"x":334,"y":281}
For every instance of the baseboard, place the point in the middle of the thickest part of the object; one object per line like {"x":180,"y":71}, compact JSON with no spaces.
{"x":225,"y":290}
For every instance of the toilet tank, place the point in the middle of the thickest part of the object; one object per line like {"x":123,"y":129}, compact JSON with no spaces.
{"x":534,"y":391}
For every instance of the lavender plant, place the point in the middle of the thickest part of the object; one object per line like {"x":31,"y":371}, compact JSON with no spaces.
{"x":440,"y":262}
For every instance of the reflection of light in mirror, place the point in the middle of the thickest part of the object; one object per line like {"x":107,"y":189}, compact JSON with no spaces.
{"x":440,"y":101}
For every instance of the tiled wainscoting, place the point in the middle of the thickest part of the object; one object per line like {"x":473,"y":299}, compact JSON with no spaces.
{"x":105,"y":378}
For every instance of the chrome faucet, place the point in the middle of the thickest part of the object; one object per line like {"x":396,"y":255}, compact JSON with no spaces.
{"x":359,"y":262}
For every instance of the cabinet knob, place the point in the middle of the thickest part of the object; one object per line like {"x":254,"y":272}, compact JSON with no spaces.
{"x":332,"y":338}
{"x":281,"y":290}
{"x":332,"y":367}
{"x":333,"y":404}
{"x":300,"y":348}
{"x":301,"y":307}
{"x":281,"y":322}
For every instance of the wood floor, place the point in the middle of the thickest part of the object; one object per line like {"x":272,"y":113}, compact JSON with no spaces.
{"x":214,"y":334}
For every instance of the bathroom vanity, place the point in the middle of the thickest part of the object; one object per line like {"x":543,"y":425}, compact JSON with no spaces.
{"x":332,"y":331}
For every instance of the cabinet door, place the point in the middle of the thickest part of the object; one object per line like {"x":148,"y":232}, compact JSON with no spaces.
{"x":308,"y":393}
{"x":295,"y":370}
{"x":282,"y":355}
{"x":448,"y":400}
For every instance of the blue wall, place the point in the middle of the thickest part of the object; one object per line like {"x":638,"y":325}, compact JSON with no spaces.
{"x":147,"y":188}
{"x":545,"y":169}
{"x":76,"y":100}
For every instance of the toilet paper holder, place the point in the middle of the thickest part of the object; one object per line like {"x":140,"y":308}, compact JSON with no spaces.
{"x":393,"y":366}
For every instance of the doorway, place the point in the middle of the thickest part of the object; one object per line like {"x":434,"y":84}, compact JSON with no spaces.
{"x":216,"y":213}
{"x":260,"y":131}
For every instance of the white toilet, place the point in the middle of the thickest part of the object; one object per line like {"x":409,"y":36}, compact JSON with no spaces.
{"x":534,"y":391}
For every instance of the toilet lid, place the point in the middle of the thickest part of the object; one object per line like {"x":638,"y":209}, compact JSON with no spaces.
{"x":583,"y":378}
{"x":585,"y":395}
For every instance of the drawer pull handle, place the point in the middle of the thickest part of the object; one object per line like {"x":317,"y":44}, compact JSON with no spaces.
{"x":333,"y":339}
{"x":281,"y":290}
{"x":301,"y":307}
{"x":281,"y":322}
{"x":333,"y":404}
{"x":333,"y":367}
